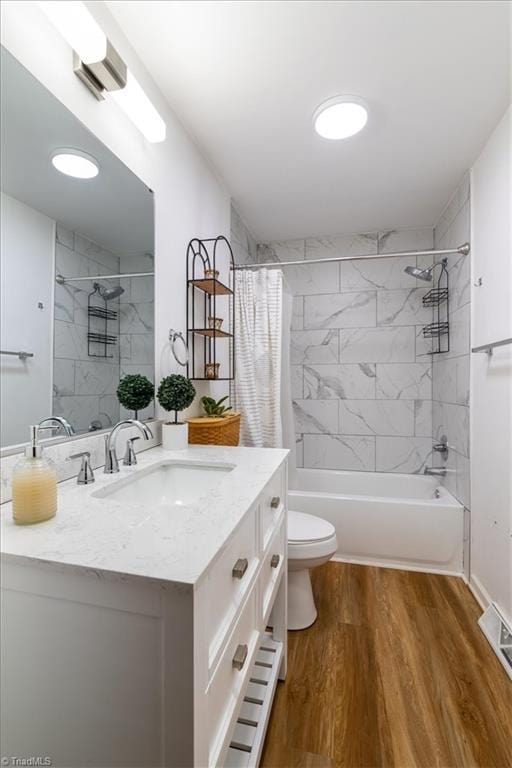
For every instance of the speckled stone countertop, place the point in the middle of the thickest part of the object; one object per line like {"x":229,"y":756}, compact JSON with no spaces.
{"x":138,"y":540}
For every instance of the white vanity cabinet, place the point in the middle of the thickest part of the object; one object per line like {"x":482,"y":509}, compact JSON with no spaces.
{"x":104,"y":669}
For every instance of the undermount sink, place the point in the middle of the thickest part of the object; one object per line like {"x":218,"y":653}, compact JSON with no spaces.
{"x":168,"y":483}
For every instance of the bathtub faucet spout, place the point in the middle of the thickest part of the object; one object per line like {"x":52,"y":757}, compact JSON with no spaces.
{"x":436,"y":471}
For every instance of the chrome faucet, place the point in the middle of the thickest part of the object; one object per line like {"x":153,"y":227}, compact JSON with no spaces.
{"x":61,"y":423}
{"x":435,"y":471}
{"x":111,"y":461}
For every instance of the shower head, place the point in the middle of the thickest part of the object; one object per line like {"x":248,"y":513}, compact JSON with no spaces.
{"x":109,"y":293}
{"x":421,"y":274}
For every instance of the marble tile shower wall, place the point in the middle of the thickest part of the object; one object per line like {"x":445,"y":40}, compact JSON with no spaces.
{"x":451,"y":370}
{"x":361,"y":373}
{"x":136,"y":327}
{"x":83,"y":387}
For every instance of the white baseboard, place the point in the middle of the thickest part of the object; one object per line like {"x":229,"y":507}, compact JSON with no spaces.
{"x":396,"y":566}
{"x":479,"y":592}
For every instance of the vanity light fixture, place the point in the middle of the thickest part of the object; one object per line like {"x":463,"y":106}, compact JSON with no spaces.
{"x":74,"y":162}
{"x":95,"y":60}
{"x":100,"y":67}
{"x":340,"y":117}
{"x":136,"y":105}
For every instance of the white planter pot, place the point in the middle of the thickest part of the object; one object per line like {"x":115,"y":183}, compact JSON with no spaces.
{"x":174,"y":436}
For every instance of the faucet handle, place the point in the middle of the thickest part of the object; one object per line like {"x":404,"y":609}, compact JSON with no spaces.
{"x":111,"y":462}
{"x":86,"y":474}
{"x":442,"y":447}
{"x":130,"y":457}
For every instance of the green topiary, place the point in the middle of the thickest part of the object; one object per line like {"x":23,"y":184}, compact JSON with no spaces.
{"x":175,"y":393}
{"x":135,"y":392}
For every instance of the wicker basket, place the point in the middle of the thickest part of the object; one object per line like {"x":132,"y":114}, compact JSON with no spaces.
{"x":214,"y":430}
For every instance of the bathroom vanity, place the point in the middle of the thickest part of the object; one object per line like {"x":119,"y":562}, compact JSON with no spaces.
{"x":145,"y":625}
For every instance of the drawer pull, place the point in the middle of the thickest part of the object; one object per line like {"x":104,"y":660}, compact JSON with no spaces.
{"x":240,"y":656}
{"x":275,"y":502}
{"x":240,"y":568}
{"x":274,"y":561}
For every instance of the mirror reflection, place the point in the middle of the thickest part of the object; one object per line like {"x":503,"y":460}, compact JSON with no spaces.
{"x":77,"y":279}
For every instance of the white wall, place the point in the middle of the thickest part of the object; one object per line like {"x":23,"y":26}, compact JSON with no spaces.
{"x":190,"y":201}
{"x":491,"y":378}
{"x":27,"y":258}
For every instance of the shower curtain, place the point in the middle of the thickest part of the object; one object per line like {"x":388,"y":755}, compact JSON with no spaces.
{"x":257,"y":387}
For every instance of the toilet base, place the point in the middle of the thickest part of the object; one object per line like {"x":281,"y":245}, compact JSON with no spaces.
{"x":301,"y":603}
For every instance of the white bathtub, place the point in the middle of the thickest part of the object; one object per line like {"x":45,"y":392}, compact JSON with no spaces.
{"x":400,"y":521}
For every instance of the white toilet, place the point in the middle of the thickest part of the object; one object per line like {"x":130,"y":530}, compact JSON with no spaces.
{"x":311,"y":542}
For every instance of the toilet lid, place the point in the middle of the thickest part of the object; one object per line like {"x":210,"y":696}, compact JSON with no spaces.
{"x":304,"y":529}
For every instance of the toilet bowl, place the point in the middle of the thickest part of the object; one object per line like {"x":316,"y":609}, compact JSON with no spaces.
{"x":311,"y":542}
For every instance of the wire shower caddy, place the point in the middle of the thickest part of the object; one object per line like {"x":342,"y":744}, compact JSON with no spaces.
{"x":438,"y":299}
{"x":98,"y":316}
{"x":205,"y":294}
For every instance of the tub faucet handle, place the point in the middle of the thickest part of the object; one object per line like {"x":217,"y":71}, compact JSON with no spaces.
{"x":441,"y":447}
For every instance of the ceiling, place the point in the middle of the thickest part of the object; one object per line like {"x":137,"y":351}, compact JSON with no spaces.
{"x":115,"y":209}
{"x":245,"y":77}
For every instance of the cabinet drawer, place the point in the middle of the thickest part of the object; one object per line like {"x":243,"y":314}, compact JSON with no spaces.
{"x":231,"y":676}
{"x":229,"y":579}
{"x":271,"y":568}
{"x":271,"y":503}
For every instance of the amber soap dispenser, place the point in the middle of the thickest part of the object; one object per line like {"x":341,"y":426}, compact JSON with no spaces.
{"x":34,"y":485}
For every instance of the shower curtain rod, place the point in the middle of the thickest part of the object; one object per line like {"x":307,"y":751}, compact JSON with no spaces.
{"x":60,"y":279}
{"x":462,"y":249}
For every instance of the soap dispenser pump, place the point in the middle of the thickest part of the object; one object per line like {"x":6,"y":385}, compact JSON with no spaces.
{"x":34,"y":484}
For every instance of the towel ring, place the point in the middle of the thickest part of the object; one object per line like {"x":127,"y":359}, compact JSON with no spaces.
{"x":174,"y":336}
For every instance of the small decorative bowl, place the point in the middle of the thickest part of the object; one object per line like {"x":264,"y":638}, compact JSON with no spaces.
{"x":211,"y":274}
{"x":211,"y":370}
{"x":215,"y":323}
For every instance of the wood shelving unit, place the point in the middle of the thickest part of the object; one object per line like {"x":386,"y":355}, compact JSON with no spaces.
{"x":212,"y":333}
{"x":210,"y":297}
{"x":211,"y":286}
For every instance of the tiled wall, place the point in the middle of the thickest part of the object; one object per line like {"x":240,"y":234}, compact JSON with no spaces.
{"x":361,"y":373}
{"x":362,"y":381}
{"x":137,"y":324}
{"x":84,"y":387}
{"x":451,"y":370}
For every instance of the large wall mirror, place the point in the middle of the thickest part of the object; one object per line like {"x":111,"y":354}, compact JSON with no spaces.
{"x":77,"y":285}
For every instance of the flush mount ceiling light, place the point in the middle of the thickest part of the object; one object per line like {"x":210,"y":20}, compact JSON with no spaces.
{"x":340,"y":117}
{"x":100,"y":67}
{"x":73,"y":162}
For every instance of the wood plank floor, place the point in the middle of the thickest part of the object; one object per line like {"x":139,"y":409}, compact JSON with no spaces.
{"x":395,"y":672}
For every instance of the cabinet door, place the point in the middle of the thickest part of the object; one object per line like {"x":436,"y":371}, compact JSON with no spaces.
{"x":272,"y":501}
{"x":229,"y":580}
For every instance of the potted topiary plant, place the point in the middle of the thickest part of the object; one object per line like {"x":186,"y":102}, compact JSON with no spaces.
{"x":135,"y":392}
{"x":219,"y":425}
{"x":174,"y":394}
